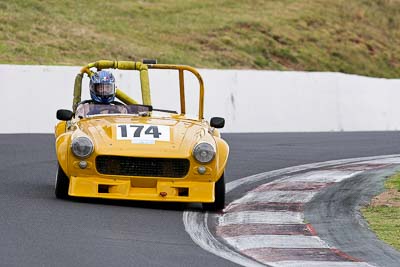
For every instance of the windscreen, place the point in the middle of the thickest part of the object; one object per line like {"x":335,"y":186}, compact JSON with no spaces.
{"x":89,"y":109}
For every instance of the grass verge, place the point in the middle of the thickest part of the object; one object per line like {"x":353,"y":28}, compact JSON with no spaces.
{"x":383,"y":214}
{"x":358,"y":36}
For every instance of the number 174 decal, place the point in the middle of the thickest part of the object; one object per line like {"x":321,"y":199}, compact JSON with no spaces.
{"x":143,"y":133}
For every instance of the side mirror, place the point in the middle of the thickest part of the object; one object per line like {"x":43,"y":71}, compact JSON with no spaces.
{"x":217,"y":122}
{"x":64,"y":114}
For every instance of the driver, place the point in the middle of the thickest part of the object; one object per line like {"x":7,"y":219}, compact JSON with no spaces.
{"x":102,"y":87}
{"x":102,"y":93}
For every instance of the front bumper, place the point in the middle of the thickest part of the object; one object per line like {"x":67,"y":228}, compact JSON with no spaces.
{"x":170,"y":191}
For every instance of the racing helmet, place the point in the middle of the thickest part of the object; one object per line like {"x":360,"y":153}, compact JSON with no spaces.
{"x":102,"y":87}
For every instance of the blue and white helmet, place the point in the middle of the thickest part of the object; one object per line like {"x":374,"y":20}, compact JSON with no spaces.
{"x":102,"y":87}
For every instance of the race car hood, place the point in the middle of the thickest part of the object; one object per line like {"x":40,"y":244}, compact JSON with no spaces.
{"x":142,"y":136}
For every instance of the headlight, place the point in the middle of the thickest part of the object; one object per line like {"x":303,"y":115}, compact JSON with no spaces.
{"x":204,"y":152}
{"x":82,"y":147}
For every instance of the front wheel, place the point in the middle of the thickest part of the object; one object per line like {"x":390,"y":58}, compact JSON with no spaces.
{"x":219,"y":196}
{"x":62,"y":184}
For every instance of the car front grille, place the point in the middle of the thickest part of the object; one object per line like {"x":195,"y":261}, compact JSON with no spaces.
{"x":151,"y":167}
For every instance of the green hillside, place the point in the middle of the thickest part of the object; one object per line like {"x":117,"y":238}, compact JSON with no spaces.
{"x":353,"y":36}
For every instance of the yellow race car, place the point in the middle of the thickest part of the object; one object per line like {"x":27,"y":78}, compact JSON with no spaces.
{"x":133,"y":151}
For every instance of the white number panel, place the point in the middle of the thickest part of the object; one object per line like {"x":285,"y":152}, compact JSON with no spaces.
{"x":143,"y":133}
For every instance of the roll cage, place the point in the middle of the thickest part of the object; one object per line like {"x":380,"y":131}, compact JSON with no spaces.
{"x":144,"y":81}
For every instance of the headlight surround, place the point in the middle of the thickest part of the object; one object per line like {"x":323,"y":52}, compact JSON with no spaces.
{"x":82,"y":147}
{"x":204,"y":152}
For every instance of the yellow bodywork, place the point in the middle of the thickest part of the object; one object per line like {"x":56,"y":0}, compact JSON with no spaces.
{"x":184,"y":133}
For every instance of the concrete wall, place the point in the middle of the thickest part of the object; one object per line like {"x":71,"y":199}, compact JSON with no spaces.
{"x":250,"y":101}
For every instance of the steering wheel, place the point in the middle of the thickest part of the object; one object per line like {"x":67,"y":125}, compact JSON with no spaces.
{"x":117,"y":103}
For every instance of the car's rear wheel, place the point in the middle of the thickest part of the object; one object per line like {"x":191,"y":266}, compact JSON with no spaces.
{"x":62,"y":184}
{"x":219,"y":193}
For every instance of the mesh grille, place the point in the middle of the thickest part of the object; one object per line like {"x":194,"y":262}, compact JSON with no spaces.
{"x":152,"y":167}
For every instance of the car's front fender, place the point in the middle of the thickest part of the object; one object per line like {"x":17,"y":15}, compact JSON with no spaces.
{"x":223,"y":153}
{"x":60,"y":128}
{"x":63,"y":142}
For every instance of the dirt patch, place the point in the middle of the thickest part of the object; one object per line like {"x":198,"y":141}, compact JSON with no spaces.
{"x":389,"y":198}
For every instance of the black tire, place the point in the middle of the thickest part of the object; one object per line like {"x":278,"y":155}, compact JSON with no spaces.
{"x":219,"y":193}
{"x":62,"y":184}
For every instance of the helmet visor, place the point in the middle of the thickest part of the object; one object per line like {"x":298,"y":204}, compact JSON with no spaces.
{"x":104,"y":89}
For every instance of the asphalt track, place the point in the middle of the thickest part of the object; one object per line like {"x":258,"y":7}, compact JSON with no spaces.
{"x":39,"y":230}
{"x":334,"y":207}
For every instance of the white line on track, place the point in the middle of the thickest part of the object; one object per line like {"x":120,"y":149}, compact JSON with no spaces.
{"x":247,"y":217}
{"x":275,"y":241}
{"x":285,"y":171}
{"x":394,"y":160}
{"x":276,"y":196}
{"x":319,"y":264}
{"x":196,"y":222}
{"x":329,"y":176}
